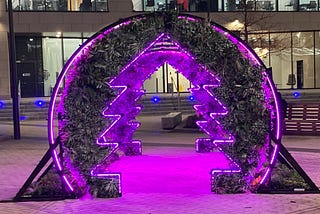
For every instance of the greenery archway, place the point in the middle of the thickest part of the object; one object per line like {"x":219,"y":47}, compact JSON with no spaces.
{"x":243,"y":90}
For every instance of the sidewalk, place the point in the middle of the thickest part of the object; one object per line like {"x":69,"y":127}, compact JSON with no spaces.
{"x":176,"y":149}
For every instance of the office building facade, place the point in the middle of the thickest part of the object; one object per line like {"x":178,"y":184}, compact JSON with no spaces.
{"x":284,"y":33}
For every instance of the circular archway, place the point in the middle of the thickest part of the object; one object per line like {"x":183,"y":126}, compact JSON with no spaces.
{"x":97,"y":110}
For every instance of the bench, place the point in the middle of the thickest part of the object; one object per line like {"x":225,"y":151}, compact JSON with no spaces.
{"x":302,"y":119}
{"x":171,"y":120}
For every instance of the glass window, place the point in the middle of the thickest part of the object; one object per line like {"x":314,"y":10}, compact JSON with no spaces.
{"x":307,"y":5}
{"x":280,"y":59}
{"x":183,"y":5}
{"x":166,"y":80}
{"x":262,"y":5}
{"x":155,"y":5}
{"x":246,"y":5}
{"x":52,"y":60}
{"x":15,"y":4}
{"x":317,"y":59}
{"x":303,"y":59}
{"x":260,"y":44}
{"x":71,"y":42}
{"x":203,"y":5}
{"x":231,"y":5}
{"x":100,"y":5}
{"x":23,"y":4}
{"x":83,"y":5}
{"x":60,"y":5}
{"x":29,"y":65}
{"x":87,"y":35}
{"x":161,"y":5}
{"x":288,"y":5}
{"x":138,"y":4}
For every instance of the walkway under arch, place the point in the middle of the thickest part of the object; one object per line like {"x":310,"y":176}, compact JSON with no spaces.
{"x":89,"y":66}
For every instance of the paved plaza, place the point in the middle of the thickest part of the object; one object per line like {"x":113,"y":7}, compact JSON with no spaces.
{"x":175,"y":183}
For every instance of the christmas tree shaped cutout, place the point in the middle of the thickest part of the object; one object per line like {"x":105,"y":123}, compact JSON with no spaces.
{"x":123,"y":109}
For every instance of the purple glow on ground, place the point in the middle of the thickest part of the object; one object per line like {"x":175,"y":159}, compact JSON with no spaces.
{"x":175,"y":169}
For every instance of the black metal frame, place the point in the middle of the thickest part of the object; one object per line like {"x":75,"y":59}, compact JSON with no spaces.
{"x":289,"y":160}
{"x":44,"y":160}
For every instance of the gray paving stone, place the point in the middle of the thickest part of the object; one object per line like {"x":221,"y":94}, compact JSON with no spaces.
{"x":18,"y":159}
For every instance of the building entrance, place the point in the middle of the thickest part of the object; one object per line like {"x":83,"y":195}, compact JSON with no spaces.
{"x":166,"y":80}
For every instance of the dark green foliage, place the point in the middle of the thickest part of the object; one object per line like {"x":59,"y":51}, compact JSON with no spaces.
{"x":104,"y":187}
{"x":240,"y":90}
{"x":88,"y":93}
{"x":49,"y":186}
{"x":284,"y":178}
{"x":228,"y":183}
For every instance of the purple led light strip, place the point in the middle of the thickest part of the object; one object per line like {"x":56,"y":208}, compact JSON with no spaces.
{"x":68,"y":183}
{"x":275,"y":151}
{"x":140,"y":54}
{"x":254,"y":59}
{"x":237,"y":167}
{"x":80,"y":51}
{"x":247,"y":52}
{"x":200,"y":93}
{"x":84,"y":48}
{"x":208,"y":80}
{"x":119,"y":82}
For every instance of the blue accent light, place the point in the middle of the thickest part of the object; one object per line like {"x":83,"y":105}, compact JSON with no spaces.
{"x":296,"y":94}
{"x":22,"y":118}
{"x":191,"y":98}
{"x":40,"y":103}
{"x":1,"y":105}
{"x":155,"y":99}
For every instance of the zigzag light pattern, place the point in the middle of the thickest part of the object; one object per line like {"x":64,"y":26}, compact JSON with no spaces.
{"x":120,"y":109}
{"x":269,"y":86}
{"x":210,"y":108}
{"x":121,"y":129}
{"x":104,"y":140}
